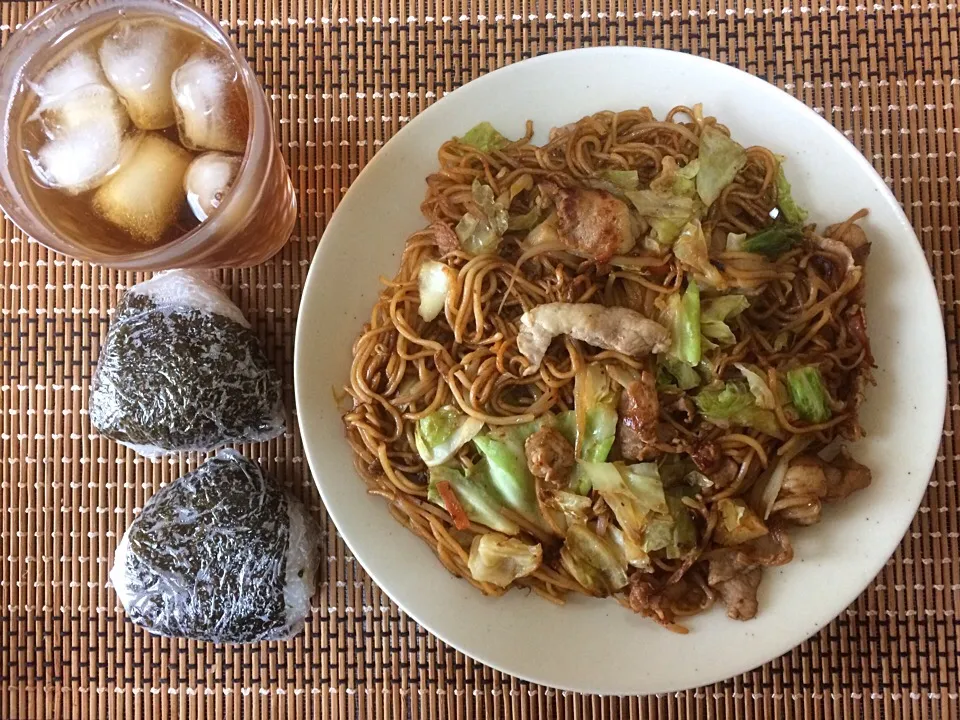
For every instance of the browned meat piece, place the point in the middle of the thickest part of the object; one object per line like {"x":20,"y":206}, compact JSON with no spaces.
{"x":857,"y":325}
{"x":445,"y":238}
{"x":800,"y":512}
{"x":825,"y":268}
{"x":852,"y":430}
{"x":805,"y":476}
{"x":845,"y":477}
{"x":853,"y":236}
{"x":810,"y":482}
{"x":611,"y":328}
{"x":647,"y":600}
{"x":549,"y":457}
{"x":835,"y":249}
{"x":706,"y":456}
{"x":725,"y":475}
{"x":804,"y":487}
{"x":736,"y":573}
{"x":738,"y":592}
{"x":720,"y":469}
{"x":769,"y":550}
{"x":639,"y":412}
{"x":591,"y":221}
{"x":685,"y":405}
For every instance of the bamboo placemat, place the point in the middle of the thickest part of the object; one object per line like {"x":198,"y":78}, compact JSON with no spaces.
{"x":343,"y":78}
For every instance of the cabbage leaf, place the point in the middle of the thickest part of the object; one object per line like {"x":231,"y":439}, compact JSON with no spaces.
{"x":592,"y":561}
{"x":682,"y":316}
{"x":434,"y":280}
{"x":484,"y":137}
{"x":732,"y":403}
{"x":477,"y":502}
{"x":500,"y":560}
{"x":691,"y":249}
{"x":617,"y":182}
{"x":440,"y":434}
{"x":675,"y":372}
{"x":505,"y":467}
{"x":762,"y":393}
{"x":480,"y":235}
{"x":669,"y":204}
{"x":595,"y":405}
{"x":808,"y":394}
{"x":713,"y":319}
{"x":792,"y":212}
{"x":737,"y":523}
{"x":631,"y":508}
{"x":720,"y":159}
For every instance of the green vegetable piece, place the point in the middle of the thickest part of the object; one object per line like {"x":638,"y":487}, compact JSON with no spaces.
{"x":716,"y":312}
{"x":792,"y":212}
{"x":677,"y":373}
{"x":684,"y":531}
{"x":594,"y":563}
{"x":481,"y":235}
{"x":643,"y":479}
{"x":595,"y":403}
{"x":669,"y":204}
{"x":624,"y":179}
{"x":441,"y":433}
{"x":686,"y":325}
{"x":666,"y":212}
{"x":501,"y":560}
{"x":773,"y":240}
{"x":635,"y":495}
{"x":485,"y":138}
{"x":566,"y":425}
{"x":527,"y":221}
{"x":732,"y":403}
{"x":684,"y":181}
{"x":506,"y":467}
{"x":762,"y":394}
{"x":691,"y":249}
{"x":632,"y":553}
{"x":721,"y":158}
{"x":481,"y":506}
{"x":808,"y":394}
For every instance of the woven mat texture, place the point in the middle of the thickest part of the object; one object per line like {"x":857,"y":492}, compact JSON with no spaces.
{"x":343,"y":78}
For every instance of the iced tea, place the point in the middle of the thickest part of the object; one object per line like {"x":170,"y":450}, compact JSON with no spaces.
{"x":135,"y":138}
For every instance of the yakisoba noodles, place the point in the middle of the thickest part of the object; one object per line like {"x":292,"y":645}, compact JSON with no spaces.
{"x":622,"y":363}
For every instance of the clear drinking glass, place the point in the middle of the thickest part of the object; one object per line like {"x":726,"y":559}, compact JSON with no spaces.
{"x":255,"y":218}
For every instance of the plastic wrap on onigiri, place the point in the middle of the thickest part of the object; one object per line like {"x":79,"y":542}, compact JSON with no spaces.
{"x":222,"y":554}
{"x":181,"y":370}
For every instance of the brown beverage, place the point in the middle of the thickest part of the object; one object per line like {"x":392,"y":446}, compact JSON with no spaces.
{"x":137,"y":139}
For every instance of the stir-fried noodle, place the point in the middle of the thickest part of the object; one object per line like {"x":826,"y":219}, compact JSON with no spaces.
{"x":658,"y":456}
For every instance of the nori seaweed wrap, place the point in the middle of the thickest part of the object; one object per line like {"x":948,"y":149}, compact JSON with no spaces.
{"x":221,"y":554}
{"x":181,"y":370}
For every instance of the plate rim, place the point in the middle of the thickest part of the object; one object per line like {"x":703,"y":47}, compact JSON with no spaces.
{"x":807,"y":113}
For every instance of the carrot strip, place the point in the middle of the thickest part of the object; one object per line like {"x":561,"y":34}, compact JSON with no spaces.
{"x":452,"y":505}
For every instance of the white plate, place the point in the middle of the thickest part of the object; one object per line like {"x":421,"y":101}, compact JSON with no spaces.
{"x":595,"y":645}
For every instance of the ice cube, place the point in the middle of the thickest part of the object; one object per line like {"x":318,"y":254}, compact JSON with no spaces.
{"x":208,"y":180}
{"x":82,"y":158}
{"x":79,"y":69}
{"x":139,"y":59}
{"x":145,"y":195}
{"x":80,"y":108}
{"x":211,"y":104}
{"x":72,"y":93}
